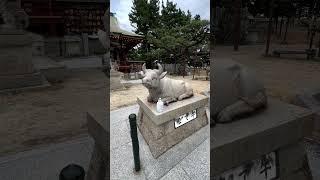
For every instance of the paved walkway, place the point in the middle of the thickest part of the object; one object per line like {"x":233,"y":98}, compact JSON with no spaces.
{"x":46,"y":163}
{"x":187,"y":160}
{"x":313,"y":153}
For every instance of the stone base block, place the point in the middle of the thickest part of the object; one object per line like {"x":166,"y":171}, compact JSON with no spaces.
{"x":21,"y":81}
{"x":290,"y":159}
{"x":98,"y":128}
{"x":158,"y":129}
{"x":280,"y":129}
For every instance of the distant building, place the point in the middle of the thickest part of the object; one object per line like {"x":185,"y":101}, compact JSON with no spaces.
{"x":121,"y":42}
{"x":63,"y":17}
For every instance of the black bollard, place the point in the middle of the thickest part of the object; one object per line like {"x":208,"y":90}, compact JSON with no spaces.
{"x":135,"y":141}
{"x":72,"y":172}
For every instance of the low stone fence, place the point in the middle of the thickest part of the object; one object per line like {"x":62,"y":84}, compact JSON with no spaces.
{"x":67,"y":46}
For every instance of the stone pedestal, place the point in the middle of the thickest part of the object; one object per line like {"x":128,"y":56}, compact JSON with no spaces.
{"x":98,"y":128}
{"x":310,"y":98}
{"x":115,"y":80}
{"x":279,"y":129}
{"x":16,"y":67}
{"x":158,"y":129}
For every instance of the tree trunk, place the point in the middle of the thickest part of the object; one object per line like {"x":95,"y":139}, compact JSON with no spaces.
{"x":237,"y":24}
{"x":281,"y":22}
{"x":269,"y":27}
{"x":277,"y":21}
{"x":285,"y":33}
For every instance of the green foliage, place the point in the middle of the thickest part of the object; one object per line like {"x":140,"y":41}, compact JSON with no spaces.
{"x":170,"y":36}
{"x":144,"y":16}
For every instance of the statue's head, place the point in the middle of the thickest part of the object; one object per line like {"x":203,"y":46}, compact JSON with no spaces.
{"x":151,"y":77}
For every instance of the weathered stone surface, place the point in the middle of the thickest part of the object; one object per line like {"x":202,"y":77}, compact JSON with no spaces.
{"x":47,"y":161}
{"x":290,"y":159}
{"x":236,"y":91}
{"x":176,"y":173}
{"x":173,"y":110}
{"x":278,"y":126}
{"x":97,"y":167}
{"x":162,"y":136}
{"x":199,"y":170}
{"x":98,"y":128}
{"x":122,"y":164}
{"x":16,"y":67}
{"x":298,"y":175}
{"x":115,"y":80}
{"x":15,"y":55}
{"x":310,"y":98}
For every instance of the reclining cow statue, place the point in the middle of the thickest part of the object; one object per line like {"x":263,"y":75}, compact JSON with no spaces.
{"x":159,"y":86}
{"x":236,"y":92}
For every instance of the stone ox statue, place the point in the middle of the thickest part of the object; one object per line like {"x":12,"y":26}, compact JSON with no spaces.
{"x":236,"y":92}
{"x":159,"y":86}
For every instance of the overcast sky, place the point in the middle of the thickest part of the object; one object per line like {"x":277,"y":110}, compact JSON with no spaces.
{"x":123,"y":7}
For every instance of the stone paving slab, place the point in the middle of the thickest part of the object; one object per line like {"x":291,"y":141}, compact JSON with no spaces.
{"x":46,"y":163}
{"x":201,"y":155}
{"x":313,"y":153}
{"x":119,"y":134}
{"x":173,"y":164}
{"x":176,"y":173}
{"x":123,"y":114}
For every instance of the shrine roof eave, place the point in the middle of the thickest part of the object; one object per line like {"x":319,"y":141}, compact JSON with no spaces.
{"x":136,"y":36}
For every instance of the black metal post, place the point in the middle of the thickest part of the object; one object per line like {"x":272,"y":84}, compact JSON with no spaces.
{"x":135,"y":141}
{"x":72,"y":172}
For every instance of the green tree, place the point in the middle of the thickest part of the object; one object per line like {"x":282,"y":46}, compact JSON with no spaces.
{"x":144,"y":16}
{"x":174,"y":36}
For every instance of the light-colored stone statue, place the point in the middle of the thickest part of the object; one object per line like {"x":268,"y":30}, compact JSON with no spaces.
{"x":236,"y":92}
{"x":105,"y":41}
{"x":16,"y":66}
{"x":159,"y":86}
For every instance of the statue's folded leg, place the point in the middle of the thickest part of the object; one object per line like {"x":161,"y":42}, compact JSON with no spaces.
{"x":168,"y":100}
{"x":242,"y":107}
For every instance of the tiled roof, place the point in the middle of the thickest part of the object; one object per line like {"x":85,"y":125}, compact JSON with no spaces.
{"x":115,"y":28}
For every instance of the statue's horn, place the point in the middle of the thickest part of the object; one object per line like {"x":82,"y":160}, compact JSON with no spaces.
{"x":160,"y":70}
{"x":144,"y":67}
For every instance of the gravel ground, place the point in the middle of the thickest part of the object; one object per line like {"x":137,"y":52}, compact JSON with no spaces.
{"x":53,"y":115}
{"x":283,"y":77}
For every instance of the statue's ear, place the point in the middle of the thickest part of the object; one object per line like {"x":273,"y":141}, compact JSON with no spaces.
{"x":142,"y":75}
{"x":162,"y":75}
